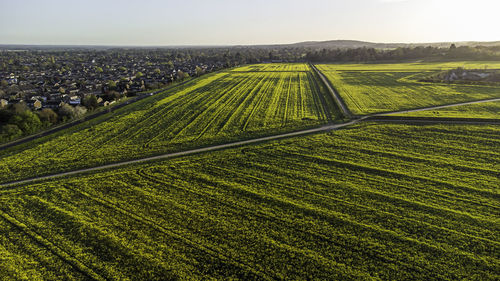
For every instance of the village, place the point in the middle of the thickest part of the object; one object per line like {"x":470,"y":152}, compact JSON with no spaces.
{"x":49,"y":79}
{"x":46,"y":86}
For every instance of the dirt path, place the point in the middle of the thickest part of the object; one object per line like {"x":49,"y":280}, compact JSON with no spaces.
{"x":336,"y":97}
{"x":187,"y":152}
{"x":326,"y":128}
{"x":377,"y":117}
{"x":434,"y":107}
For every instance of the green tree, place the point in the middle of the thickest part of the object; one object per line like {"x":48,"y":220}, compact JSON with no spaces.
{"x":48,"y":116}
{"x":5,"y":115}
{"x":181,"y":75}
{"x":90,"y":102}
{"x":199,"y":71}
{"x":27,"y":121}
{"x":10,"y":131}
{"x":79,"y":111}
{"x":66,"y":111}
{"x":113,"y":95}
{"x":111,"y":84}
{"x":19,"y":108}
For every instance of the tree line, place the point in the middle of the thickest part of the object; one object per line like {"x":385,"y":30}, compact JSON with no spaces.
{"x":404,"y":53}
{"x":18,"y":120}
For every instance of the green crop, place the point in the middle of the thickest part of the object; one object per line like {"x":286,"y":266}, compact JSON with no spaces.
{"x":374,"y":88}
{"x":222,"y":107}
{"x":489,"y":110}
{"x":374,"y":202}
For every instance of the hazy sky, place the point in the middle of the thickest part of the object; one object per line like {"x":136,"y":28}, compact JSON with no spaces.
{"x":220,"y":22}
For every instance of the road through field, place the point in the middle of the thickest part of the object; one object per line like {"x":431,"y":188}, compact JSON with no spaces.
{"x":338,"y":100}
{"x":190,"y":152}
{"x":435,"y":107}
{"x":330,"y":127}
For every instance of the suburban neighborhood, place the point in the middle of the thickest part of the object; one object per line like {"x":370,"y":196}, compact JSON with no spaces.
{"x":49,"y":79}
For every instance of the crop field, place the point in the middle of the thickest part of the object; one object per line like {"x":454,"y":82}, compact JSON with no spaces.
{"x":274,"y":67}
{"x":368,"y":88}
{"x":422,"y":66}
{"x":220,"y":107}
{"x":403,"y":203}
{"x":488,"y":110}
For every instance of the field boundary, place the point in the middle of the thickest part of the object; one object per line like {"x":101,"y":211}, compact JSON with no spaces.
{"x":350,"y":119}
{"x":138,"y":97}
{"x":324,"y":128}
{"x":187,"y":152}
{"x":335,"y":95}
{"x":86,"y":118}
{"x":435,"y":107}
{"x":409,"y":119}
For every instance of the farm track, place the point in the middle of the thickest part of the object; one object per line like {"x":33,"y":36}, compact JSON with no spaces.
{"x":338,"y":99}
{"x":236,"y":207}
{"x":435,"y":107}
{"x":321,"y":98}
{"x":379,"y":117}
{"x":376,"y":117}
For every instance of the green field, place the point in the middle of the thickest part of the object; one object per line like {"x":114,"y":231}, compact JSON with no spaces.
{"x":274,"y":67}
{"x":488,"y":110}
{"x":226,"y":106}
{"x":374,"y":88}
{"x":381,"y":202}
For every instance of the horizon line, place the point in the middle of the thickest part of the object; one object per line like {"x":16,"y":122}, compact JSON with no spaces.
{"x":233,"y":45}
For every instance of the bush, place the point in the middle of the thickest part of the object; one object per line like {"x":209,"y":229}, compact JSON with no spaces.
{"x":48,"y":116}
{"x":27,"y":121}
{"x":9,"y":132}
{"x":90,"y":102}
{"x":66,"y":111}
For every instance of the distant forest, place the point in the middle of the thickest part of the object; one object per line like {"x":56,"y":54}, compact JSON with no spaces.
{"x":400,"y":54}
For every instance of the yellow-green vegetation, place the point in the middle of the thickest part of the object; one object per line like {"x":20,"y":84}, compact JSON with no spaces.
{"x":380,"y":202}
{"x":274,"y":67}
{"x":422,"y":66}
{"x":488,"y":110}
{"x":221,"y":107}
{"x":374,"y":88}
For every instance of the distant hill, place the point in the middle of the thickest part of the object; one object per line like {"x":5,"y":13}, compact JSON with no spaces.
{"x":351,"y":44}
{"x":330,"y":44}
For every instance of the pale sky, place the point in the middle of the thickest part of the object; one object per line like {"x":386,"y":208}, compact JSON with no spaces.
{"x":233,"y":22}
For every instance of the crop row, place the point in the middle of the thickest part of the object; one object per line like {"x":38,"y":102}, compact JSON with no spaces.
{"x":222,"y":107}
{"x":274,"y":67}
{"x":370,"y":89}
{"x":405,"y":202}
